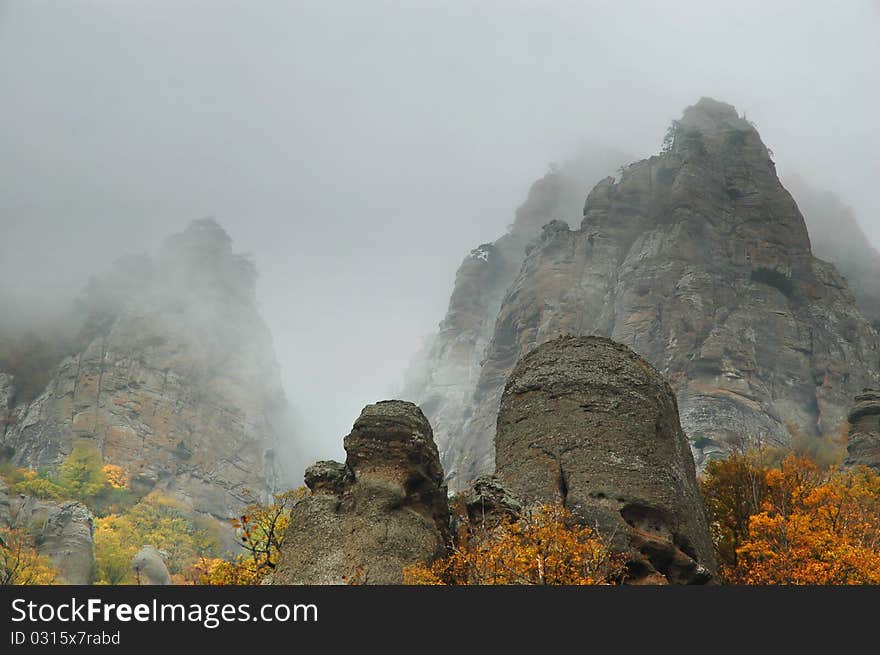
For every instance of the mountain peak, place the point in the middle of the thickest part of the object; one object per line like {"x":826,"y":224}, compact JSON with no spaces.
{"x":711,"y":116}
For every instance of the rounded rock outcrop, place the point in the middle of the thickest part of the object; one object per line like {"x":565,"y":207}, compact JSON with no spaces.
{"x":587,"y":422}
{"x":382,"y":510}
{"x":149,"y":567}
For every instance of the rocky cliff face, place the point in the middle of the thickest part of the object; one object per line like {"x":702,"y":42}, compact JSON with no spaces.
{"x":7,"y":393}
{"x":64,"y":532}
{"x":838,"y":238}
{"x":383,"y":509}
{"x":443,"y":377}
{"x":700,"y":261}
{"x":586,"y":422}
{"x":863,"y":445}
{"x":174,"y":379}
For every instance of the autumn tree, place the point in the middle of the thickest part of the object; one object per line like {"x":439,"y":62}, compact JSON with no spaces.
{"x":546,"y":546}
{"x":158,"y":520}
{"x":261,"y":529}
{"x":794,"y":522}
{"x":82,"y":472}
{"x":20,"y":564}
{"x":734,"y":489}
{"x":815,"y":527}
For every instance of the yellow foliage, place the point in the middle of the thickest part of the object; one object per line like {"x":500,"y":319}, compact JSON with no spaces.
{"x":544,"y":547}
{"x":218,"y":571}
{"x":261,"y":529}
{"x":794,"y":523}
{"x":116,"y":476}
{"x":157,"y":520}
{"x":815,"y":527}
{"x":81,"y":477}
{"x":81,"y":472}
{"x":19,"y":562}
{"x":42,"y":488}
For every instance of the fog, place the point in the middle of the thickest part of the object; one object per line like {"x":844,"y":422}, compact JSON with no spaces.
{"x":358,"y":150}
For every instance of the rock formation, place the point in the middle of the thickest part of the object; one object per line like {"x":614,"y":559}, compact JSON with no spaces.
{"x":174,"y":379}
{"x":7,"y":393}
{"x":700,"y":261}
{"x":444,"y":375}
{"x":63,"y":532}
{"x":383,"y":509}
{"x":149,"y":567}
{"x":587,"y":422}
{"x":863,"y":444}
{"x":485,"y":503}
{"x":837,"y":237}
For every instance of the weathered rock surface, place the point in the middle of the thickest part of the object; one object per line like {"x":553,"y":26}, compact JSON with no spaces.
{"x":7,"y":393}
{"x":700,"y":261}
{"x":7,"y":509}
{"x":487,"y":501}
{"x":587,"y":422}
{"x":863,"y":445}
{"x":176,"y":380}
{"x":838,"y":238}
{"x":444,"y":375}
{"x":149,"y":567}
{"x":63,"y":532}
{"x":383,"y":509}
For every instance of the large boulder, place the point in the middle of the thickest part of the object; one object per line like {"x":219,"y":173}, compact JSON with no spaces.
{"x":587,"y":422}
{"x":63,"y":532}
{"x":863,"y":445}
{"x":149,"y":567}
{"x":383,"y":509}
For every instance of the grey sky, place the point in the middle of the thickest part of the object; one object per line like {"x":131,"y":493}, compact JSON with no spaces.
{"x":360,"y":149}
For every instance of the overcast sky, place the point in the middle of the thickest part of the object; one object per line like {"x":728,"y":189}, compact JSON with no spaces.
{"x":359,"y":149}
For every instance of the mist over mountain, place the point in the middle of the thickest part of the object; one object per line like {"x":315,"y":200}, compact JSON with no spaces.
{"x":838,"y":236}
{"x":359,"y":151}
{"x":697,"y":258}
{"x":171,"y":375}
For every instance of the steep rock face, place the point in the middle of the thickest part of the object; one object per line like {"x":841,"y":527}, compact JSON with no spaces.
{"x":838,"y":238}
{"x":176,"y":379}
{"x":863,"y":445}
{"x":7,"y":393}
{"x":700,"y":261}
{"x":587,"y":422}
{"x":66,"y":536}
{"x":63,"y":532}
{"x":444,"y":375}
{"x":383,"y":509}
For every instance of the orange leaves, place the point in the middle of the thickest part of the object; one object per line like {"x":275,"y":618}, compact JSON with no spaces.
{"x":808,"y":526}
{"x":261,"y":530}
{"x":19,"y":562}
{"x":544,"y":547}
{"x":117,"y":477}
{"x":216,"y":571}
